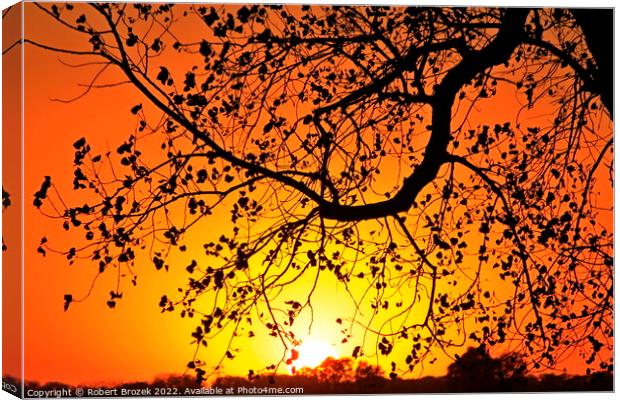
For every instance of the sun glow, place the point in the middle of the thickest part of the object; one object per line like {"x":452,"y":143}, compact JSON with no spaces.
{"x":311,"y":353}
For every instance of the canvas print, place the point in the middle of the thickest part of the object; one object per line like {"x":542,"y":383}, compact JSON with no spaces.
{"x":254,"y":199}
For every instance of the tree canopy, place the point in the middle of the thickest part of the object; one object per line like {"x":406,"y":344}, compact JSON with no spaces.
{"x":451,"y":167}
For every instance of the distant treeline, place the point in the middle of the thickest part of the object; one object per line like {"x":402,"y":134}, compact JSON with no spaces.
{"x":311,"y":385}
{"x":474,"y":371}
{"x":544,"y":383}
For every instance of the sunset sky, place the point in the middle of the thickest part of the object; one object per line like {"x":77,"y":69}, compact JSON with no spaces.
{"x":91,"y":343}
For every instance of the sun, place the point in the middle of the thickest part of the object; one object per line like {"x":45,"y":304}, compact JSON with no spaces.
{"x":311,"y":353}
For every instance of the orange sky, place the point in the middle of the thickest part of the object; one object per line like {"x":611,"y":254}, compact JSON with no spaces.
{"x":92,"y":343}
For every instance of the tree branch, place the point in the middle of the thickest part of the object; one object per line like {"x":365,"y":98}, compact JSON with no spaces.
{"x":475,"y":62}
